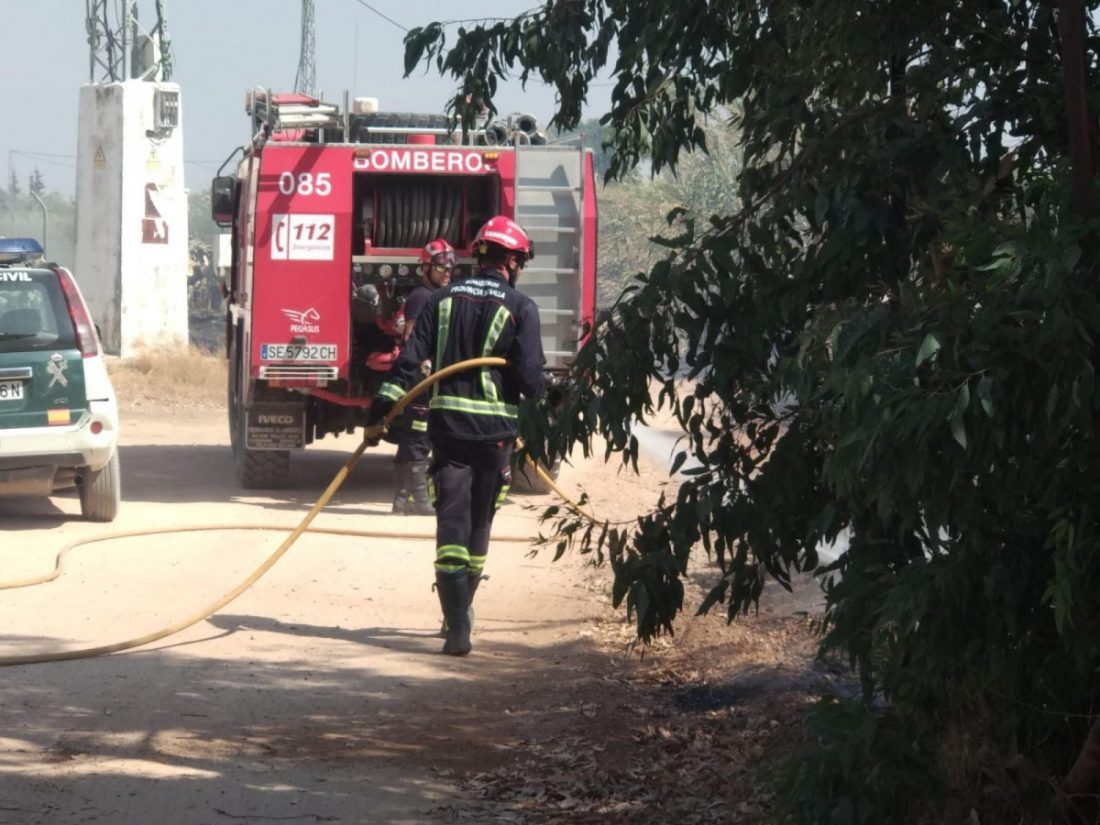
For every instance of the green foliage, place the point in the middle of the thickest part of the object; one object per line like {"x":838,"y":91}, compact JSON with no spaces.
{"x":862,"y":766}
{"x":596,"y":137}
{"x":635,"y":209}
{"x":35,"y":184}
{"x":201,"y":227}
{"x":889,"y":330}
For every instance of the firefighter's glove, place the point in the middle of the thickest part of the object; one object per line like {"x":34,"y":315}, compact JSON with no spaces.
{"x":379,"y":408}
{"x":376,"y":427}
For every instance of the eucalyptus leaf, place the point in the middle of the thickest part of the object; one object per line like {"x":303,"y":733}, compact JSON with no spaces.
{"x":958,"y":431}
{"x":985,"y":395}
{"x":929,"y":347}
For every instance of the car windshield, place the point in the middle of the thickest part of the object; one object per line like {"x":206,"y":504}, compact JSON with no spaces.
{"x":33,"y":312}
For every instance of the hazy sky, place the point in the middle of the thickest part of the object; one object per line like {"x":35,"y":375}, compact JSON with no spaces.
{"x":220,"y":49}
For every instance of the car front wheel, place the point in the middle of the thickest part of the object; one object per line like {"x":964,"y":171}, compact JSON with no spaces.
{"x":100,"y":492}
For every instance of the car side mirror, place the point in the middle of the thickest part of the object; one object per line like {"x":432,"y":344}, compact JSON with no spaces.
{"x":221,"y":200}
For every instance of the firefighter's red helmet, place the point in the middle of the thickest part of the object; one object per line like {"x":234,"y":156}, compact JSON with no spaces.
{"x":438,"y":252}
{"x":506,"y":233}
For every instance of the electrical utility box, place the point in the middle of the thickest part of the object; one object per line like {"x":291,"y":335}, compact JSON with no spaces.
{"x":131,"y":213}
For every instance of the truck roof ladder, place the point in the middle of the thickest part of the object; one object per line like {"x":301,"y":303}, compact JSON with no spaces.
{"x":283,"y":112}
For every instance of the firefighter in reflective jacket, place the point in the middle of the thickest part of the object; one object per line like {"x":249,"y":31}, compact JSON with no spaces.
{"x":472,"y":414}
{"x":410,"y":496}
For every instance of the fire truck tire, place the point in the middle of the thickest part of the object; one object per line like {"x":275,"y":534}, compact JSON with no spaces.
{"x":233,"y":402}
{"x":262,"y":469}
{"x":100,"y":492}
{"x":256,"y":469}
{"x":526,"y":481}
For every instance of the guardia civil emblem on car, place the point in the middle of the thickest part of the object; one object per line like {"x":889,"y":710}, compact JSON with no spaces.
{"x":56,"y":368}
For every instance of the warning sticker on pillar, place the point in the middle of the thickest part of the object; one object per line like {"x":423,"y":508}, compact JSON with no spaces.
{"x":154,"y":228}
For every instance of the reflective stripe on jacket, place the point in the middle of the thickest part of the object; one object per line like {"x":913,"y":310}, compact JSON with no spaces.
{"x":477,"y":316}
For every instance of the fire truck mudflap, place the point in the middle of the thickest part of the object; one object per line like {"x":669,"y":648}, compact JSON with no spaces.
{"x":275,"y":427}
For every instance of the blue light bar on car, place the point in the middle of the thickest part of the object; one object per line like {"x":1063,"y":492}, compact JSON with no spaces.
{"x":15,"y":250}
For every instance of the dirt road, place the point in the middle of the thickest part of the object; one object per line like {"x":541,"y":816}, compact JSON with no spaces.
{"x":318,"y":696}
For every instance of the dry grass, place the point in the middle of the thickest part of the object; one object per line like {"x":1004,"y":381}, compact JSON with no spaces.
{"x":175,"y":376}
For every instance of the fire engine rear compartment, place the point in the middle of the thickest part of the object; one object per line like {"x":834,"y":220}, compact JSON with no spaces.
{"x":395,"y":215}
{"x":389,"y":218}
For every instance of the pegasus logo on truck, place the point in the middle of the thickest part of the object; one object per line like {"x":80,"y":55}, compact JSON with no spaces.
{"x":303,"y":320}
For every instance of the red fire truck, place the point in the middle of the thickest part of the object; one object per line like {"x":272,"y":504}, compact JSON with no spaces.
{"x":329,"y":209}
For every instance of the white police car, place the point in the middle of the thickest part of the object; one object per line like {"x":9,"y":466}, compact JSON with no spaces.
{"x":58,"y":413}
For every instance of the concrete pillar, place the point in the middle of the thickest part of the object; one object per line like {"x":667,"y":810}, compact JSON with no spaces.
{"x":131,"y":214}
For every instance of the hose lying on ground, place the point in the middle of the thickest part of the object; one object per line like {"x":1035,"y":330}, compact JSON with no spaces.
{"x":370,"y":437}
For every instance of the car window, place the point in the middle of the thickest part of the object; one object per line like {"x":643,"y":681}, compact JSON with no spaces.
{"x":33,"y":312}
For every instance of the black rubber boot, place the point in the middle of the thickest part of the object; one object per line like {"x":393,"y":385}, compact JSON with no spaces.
{"x":475,"y":580}
{"x":418,"y":502}
{"x":401,"y":488}
{"x":454,"y":598}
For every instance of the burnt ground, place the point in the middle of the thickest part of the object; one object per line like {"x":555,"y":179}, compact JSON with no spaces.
{"x":206,"y":330}
{"x":691,"y":729}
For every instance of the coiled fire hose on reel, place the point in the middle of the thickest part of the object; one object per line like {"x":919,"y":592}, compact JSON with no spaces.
{"x":370,"y":436}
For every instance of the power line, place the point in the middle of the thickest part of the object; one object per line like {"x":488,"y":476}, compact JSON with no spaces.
{"x":389,"y":19}
{"x":367,"y":5}
{"x":519,"y":16}
{"x":43,"y":157}
{"x":29,"y":153}
{"x":49,"y":157}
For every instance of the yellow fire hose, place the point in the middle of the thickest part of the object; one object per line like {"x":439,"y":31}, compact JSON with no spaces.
{"x":370,"y":436}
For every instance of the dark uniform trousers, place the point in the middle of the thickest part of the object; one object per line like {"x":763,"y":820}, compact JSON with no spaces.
{"x":469,"y":480}
{"x":413,"y":444}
